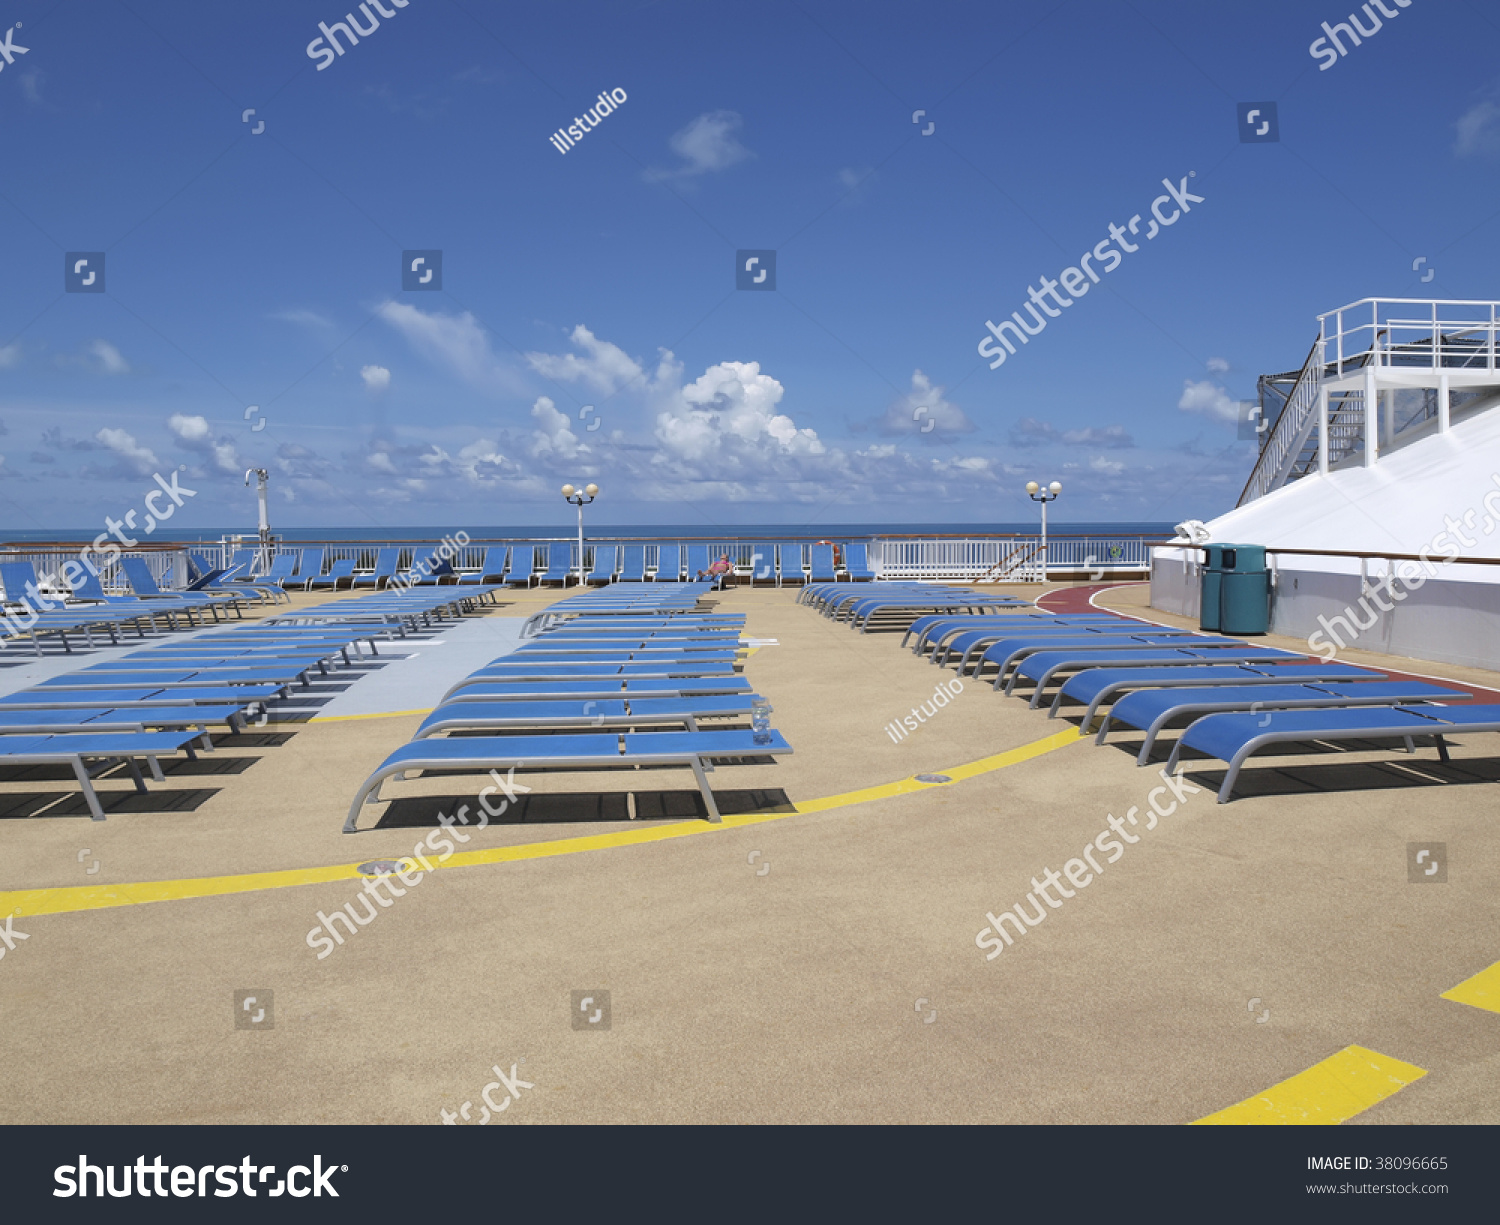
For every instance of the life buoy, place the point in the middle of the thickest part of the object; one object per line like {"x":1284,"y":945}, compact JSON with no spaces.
{"x":837,"y":559}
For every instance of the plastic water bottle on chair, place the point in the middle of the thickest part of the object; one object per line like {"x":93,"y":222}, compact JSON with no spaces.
{"x":760,"y":720}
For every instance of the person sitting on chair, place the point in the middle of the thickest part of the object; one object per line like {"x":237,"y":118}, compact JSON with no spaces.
{"x":719,"y":571}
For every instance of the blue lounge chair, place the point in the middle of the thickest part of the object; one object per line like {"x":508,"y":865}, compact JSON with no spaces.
{"x":479,"y":754}
{"x":822,"y":569}
{"x":668,"y":564}
{"x":77,"y":750}
{"x":339,"y":572}
{"x":283,"y":567}
{"x":1095,"y":686}
{"x":1151,"y":710}
{"x":698,"y":561}
{"x":1043,"y":666}
{"x":523,"y":567}
{"x":762,"y":564}
{"x":604,"y":564}
{"x":143,"y":584}
{"x":602,"y":688}
{"x":571,"y":712}
{"x":856,"y":565}
{"x":559,"y":564}
{"x":633,"y":567}
{"x":1235,"y":737}
{"x":310,"y":568}
{"x":1024,"y":644}
{"x":386,"y":561}
{"x":789,"y":564}
{"x":66,"y":699}
{"x":492,"y":568}
{"x":428,"y":567}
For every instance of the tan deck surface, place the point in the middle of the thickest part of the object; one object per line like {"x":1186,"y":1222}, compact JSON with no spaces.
{"x":737,"y":995}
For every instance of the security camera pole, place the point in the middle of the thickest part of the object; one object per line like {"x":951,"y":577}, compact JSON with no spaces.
{"x":1049,"y":494}
{"x":577,"y":498}
{"x":265,"y":526}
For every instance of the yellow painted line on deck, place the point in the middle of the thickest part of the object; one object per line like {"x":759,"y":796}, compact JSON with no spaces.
{"x":74,"y":898}
{"x":1329,"y":1092}
{"x":1482,"y":991}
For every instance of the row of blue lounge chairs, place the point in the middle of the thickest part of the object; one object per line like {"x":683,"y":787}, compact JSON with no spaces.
{"x":163,"y":699}
{"x":537,"y":564}
{"x":605,"y":682}
{"x":1232,"y":699}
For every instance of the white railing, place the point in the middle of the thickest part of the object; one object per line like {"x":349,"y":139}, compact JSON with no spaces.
{"x":168,"y":567}
{"x":1409,"y":334}
{"x":1010,"y":559}
{"x":1293,"y":427}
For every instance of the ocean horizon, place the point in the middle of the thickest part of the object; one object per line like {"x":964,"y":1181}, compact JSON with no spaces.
{"x":651,"y":532}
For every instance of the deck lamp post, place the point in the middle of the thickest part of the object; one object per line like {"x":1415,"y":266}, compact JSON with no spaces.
{"x":1049,"y":494}
{"x":580,"y":498}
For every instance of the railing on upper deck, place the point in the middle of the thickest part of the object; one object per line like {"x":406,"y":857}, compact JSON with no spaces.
{"x":1409,"y":334}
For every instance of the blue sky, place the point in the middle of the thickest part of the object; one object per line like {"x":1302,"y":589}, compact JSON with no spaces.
{"x":263,"y":269}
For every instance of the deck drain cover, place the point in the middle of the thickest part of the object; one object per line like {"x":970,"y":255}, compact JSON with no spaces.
{"x":933,"y":778}
{"x":380,"y":867}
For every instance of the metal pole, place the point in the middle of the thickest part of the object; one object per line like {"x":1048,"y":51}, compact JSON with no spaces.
{"x":580,"y":542}
{"x":1044,"y":538}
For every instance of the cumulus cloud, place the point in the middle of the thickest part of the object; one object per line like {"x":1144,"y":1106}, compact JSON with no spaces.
{"x":729,"y":413}
{"x":1209,"y":399}
{"x":1217,"y":365}
{"x":1108,"y":467}
{"x":553,"y":438}
{"x":1477,"y":131}
{"x":377,"y":378}
{"x":142,"y":459}
{"x":602,"y":366}
{"x":193,"y":433}
{"x":706,"y":144}
{"x":456,"y":343}
{"x":923,"y":411}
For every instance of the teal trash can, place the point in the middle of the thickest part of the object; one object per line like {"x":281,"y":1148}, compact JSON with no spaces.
{"x":1208,"y":590}
{"x":1244,"y":590}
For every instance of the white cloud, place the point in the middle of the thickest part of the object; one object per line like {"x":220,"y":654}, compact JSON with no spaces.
{"x":1029,"y":432}
{"x":924,"y":412}
{"x":604,"y":367}
{"x":192,"y":431}
{"x":456,"y":343}
{"x":706,"y":144}
{"x":1107,"y":466}
{"x":143,"y":459}
{"x":1478,"y":131}
{"x":377,"y":378}
{"x":194,"y":434}
{"x":1217,"y":365}
{"x":10,"y":355}
{"x":1209,"y":399}
{"x":554,"y":437}
{"x":729,"y":415}
{"x":109,"y":357}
